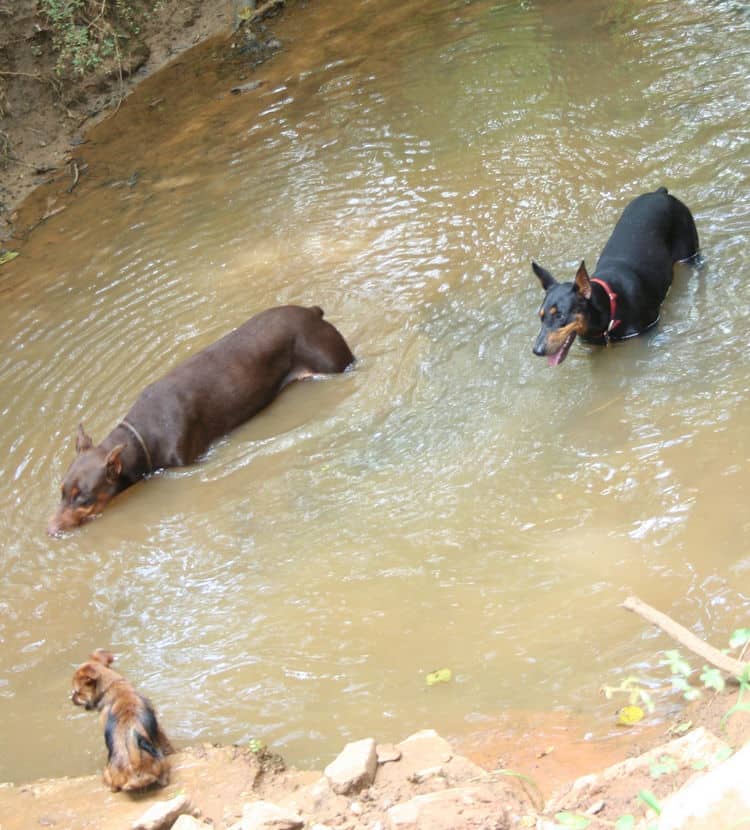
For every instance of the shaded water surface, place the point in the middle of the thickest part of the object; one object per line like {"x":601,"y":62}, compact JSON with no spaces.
{"x":453,"y":502}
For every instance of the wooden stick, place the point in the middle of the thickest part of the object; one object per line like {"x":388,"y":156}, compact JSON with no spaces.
{"x":261,"y":10}
{"x":686,"y":638}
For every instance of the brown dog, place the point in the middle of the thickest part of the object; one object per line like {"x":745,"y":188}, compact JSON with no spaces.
{"x":175,"y":419}
{"x":136,"y":744}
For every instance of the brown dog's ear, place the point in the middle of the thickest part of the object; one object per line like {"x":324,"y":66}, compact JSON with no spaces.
{"x":114,"y":463}
{"x":101,"y":655}
{"x":546,"y":279}
{"x":583,"y":283}
{"x":83,"y":442}
{"x":88,"y":671}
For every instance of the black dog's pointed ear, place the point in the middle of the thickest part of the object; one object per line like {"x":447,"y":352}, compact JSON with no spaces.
{"x":583,"y":283}
{"x":546,"y":279}
{"x":83,"y":442}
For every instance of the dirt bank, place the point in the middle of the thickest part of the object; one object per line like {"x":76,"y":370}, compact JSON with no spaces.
{"x":47,"y":107}
{"x":422,"y":783}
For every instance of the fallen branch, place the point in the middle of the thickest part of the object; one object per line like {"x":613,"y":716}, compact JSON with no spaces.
{"x":734,"y":668}
{"x":35,"y":75}
{"x":261,"y":10}
{"x":75,"y":175}
{"x":48,"y":215}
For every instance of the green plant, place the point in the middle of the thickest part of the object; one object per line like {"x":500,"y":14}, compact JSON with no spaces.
{"x":710,"y":678}
{"x":87,"y":32}
{"x":648,"y":798}
{"x":638,"y":699}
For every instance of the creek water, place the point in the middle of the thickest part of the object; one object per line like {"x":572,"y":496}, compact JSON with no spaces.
{"x":451,"y":503}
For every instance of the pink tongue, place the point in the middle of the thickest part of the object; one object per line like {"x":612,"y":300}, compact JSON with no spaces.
{"x":554,"y":359}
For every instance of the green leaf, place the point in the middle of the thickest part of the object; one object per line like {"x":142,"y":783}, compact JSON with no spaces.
{"x":648,"y":798}
{"x":738,"y":638}
{"x":712,"y":679}
{"x":692,"y":694}
{"x":439,"y":676}
{"x":573,"y":820}
{"x":647,"y":701}
{"x":680,"y":684}
{"x":682,"y":728}
{"x":666,"y":765}
{"x":738,"y":707}
{"x":7,"y":256}
{"x":722,"y":754}
{"x":677,"y":664}
{"x":625,"y":822}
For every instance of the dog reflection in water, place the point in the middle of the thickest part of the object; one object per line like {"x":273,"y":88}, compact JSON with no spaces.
{"x":136,"y":745}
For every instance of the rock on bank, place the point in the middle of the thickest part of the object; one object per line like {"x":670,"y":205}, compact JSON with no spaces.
{"x":419,"y":784}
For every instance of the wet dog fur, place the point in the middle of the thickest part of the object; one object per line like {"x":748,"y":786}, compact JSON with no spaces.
{"x":136,"y":745}
{"x":623,"y":296}
{"x":176,"y":418}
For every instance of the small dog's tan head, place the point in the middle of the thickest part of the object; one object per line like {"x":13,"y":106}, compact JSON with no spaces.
{"x":91,"y":679}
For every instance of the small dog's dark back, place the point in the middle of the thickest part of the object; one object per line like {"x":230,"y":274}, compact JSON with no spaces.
{"x":630,"y":281}
{"x":136,"y":744}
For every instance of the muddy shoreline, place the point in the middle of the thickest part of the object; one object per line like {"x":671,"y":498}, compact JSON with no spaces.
{"x":427,"y":783}
{"x":44,"y":120}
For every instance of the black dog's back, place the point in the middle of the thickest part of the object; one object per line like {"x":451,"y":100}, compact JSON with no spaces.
{"x":660,"y":229}
{"x":655,"y":231}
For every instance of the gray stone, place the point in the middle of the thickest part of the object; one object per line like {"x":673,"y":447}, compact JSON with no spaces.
{"x":720,"y":798}
{"x":186,"y":822}
{"x":424,"y":754}
{"x":354,"y":768}
{"x":263,"y":815}
{"x":698,"y":746}
{"x":428,"y":746}
{"x":444,"y":810}
{"x":387,"y":753}
{"x":163,"y":814}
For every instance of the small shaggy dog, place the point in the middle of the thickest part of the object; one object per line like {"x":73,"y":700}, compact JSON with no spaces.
{"x":136,"y":744}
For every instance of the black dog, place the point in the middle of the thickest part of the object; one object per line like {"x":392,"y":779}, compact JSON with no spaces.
{"x":630,"y":280}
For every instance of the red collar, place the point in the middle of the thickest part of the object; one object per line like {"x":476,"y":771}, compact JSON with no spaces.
{"x":613,"y":321}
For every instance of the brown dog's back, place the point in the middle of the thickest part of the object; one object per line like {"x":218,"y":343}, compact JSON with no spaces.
{"x":175,"y":419}
{"x":225,"y":384}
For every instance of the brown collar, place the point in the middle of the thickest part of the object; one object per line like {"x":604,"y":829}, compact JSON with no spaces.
{"x":139,"y":439}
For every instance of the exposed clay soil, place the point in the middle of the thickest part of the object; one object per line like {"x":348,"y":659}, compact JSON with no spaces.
{"x":44,"y":115}
{"x":498,"y":779}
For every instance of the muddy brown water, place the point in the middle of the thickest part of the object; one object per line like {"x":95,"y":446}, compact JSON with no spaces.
{"x":451,"y":503}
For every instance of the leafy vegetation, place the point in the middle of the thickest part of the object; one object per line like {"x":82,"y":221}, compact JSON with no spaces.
{"x":681,"y":672}
{"x":86,"y":33}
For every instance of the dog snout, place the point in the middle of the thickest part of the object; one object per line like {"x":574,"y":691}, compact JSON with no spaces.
{"x":540,"y":347}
